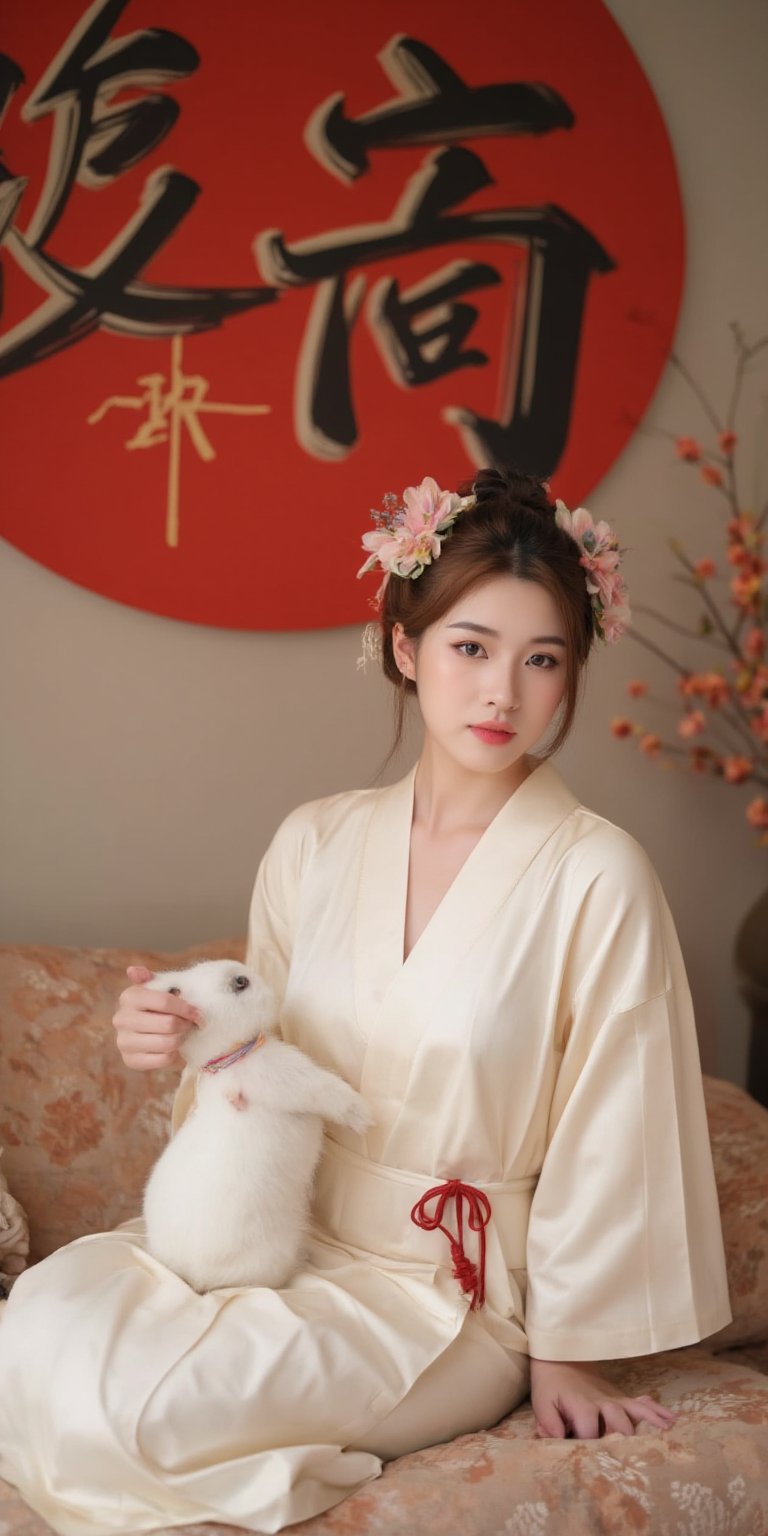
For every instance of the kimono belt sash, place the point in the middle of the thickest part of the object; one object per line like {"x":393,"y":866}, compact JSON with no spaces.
{"x":383,"y":1211}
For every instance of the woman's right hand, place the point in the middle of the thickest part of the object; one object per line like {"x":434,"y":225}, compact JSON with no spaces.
{"x":150,"y":1026}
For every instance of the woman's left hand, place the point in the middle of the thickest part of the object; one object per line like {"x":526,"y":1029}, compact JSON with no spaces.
{"x":569,"y":1398}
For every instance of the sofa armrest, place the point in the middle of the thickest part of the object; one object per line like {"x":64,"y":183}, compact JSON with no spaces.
{"x":738,"y":1129}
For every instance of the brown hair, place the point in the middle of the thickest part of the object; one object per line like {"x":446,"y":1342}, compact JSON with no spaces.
{"x":511,"y":531}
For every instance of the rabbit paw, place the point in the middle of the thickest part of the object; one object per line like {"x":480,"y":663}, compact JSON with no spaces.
{"x":358,"y":1116}
{"x":237,"y":1099}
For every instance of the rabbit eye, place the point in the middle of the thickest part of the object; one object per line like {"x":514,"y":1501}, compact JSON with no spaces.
{"x":239,"y":983}
{"x":175,"y":990}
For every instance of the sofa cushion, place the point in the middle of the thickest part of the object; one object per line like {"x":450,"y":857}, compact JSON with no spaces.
{"x":705,"y":1475}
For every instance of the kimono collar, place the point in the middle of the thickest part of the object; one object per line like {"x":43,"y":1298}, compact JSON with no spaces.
{"x":393,"y":996}
{"x":499,"y":859}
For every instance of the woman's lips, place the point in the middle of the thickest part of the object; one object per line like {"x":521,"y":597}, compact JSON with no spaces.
{"x":492,"y":735}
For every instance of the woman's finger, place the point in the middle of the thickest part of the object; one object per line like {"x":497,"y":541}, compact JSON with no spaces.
{"x":139,"y":973}
{"x":616,"y":1419}
{"x":583,"y":1417}
{"x":146,"y":1000}
{"x":650,"y":1402}
{"x":647,"y":1411}
{"x":139,"y":1022}
{"x":150,"y":1045}
{"x":549,"y":1424}
{"x":141,"y":1062}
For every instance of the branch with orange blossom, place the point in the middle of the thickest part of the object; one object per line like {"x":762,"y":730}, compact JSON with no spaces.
{"x":723,"y":724}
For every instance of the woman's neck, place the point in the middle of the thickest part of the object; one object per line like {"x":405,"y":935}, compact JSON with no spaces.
{"x":449,"y":798}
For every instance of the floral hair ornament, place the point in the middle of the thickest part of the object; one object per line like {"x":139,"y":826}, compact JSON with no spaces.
{"x":408,"y":536}
{"x":409,"y":533}
{"x":601,"y":558}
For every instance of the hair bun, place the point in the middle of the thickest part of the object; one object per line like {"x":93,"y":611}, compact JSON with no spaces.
{"x":488,"y":482}
{"x":520,"y":488}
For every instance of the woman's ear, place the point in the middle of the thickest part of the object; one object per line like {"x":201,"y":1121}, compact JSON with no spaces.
{"x":404,"y":651}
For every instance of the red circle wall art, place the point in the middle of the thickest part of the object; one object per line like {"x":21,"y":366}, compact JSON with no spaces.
{"x":260,"y":269}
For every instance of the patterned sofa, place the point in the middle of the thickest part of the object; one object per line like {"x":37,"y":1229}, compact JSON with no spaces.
{"x":79,"y":1133}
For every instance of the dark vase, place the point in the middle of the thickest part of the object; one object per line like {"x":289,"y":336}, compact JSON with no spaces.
{"x":751,"y":960}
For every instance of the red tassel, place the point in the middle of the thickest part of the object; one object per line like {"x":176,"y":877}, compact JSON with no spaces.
{"x":471,"y":1277}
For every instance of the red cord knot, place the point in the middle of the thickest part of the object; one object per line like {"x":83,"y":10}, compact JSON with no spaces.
{"x":471,"y":1277}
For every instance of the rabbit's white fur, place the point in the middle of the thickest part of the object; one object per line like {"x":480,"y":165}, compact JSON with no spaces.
{"x":227,"y":1203}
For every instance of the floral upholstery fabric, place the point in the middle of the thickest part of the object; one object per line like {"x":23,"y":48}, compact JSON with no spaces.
{"x":707,"y":1476}
{"x":738,"y":1129}
{"x":71,"y":1116}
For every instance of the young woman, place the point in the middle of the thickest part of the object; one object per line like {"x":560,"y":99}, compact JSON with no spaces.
{"x":496,"y":970}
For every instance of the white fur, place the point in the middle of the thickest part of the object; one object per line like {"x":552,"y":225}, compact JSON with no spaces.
{"x":227,"y":1203}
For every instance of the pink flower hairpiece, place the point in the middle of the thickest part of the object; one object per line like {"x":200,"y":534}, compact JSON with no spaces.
{"x":409,"y":533}
{"x":408,"y":536}
{"x":601,"y":558}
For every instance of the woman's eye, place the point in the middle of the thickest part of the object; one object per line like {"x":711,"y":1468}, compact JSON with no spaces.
{"x":470,"y":648}
{"x":543,"y":662}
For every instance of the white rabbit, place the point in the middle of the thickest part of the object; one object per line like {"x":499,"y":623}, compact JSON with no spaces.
{"x":227,"y":1203}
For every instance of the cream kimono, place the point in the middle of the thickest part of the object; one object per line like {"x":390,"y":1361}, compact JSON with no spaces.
{"x":537,"y":1046}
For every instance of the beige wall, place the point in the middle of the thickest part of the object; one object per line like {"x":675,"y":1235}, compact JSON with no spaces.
{"x":145,"y":763}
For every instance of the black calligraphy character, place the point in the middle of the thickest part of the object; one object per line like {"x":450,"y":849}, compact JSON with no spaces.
{"x":11,"y":187}
{"x":434,"y":106}
{"x":422,"y":333}
{"x":539,"y":370}
{"x":416,"y":350}
{"x":95,"y":140}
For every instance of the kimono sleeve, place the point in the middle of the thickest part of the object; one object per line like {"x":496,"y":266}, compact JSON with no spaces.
{"x":625,"y":1253}
{"x":275,"y":901}
{"x":271,"y":924}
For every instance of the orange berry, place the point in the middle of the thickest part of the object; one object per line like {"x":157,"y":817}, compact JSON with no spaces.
{"x":757,"y":813}
{"x":737,"y":769}
{"x":692,"y":723}
{"x":650,"y":744}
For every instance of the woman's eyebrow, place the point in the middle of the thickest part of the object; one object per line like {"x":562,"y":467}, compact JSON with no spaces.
{"x":481,"y":629}
{"x":477,"y":629}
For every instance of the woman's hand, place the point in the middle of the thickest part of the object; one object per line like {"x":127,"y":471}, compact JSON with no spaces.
{"x":571,"y":1399}
{"x":150,"y":1026}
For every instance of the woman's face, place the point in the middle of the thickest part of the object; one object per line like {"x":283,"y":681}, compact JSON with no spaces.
{"x":490,"y":674}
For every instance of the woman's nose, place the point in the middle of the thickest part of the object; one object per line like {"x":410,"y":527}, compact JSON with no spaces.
{"x":503,"y":692}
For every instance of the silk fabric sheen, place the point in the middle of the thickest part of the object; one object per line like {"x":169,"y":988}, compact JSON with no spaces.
{"x":538,"y":1043}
